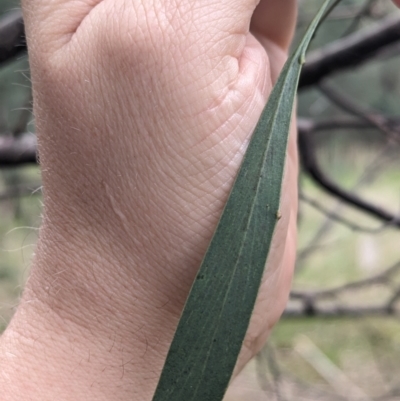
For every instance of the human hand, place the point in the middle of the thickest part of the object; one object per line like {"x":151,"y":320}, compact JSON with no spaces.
{"x":143,"y":112}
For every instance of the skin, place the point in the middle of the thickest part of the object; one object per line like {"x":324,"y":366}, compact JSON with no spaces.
{"x":143,"y":112}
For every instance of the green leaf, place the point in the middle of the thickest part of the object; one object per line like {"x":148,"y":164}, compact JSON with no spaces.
{"x":216,"y":316}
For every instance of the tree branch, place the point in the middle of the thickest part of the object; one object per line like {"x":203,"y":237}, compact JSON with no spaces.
{"x":340,"y":311}
{"x":347,"y":104}
{"x":311,"y":166}
{"x":350,"y":51}
{"x":312,"y":302}
{"x":17,"y":151}
{"x":336,"y":217}
{"x":12,"y":36}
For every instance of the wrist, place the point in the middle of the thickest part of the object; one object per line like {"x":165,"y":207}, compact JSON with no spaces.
{"x":78,"y":335}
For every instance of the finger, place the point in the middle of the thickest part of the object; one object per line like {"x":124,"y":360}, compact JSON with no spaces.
{"x":59,"y":20}
{"x":275,"y":21}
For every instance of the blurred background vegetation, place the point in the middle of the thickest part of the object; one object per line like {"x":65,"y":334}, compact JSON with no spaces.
{"x":340,"y":337}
